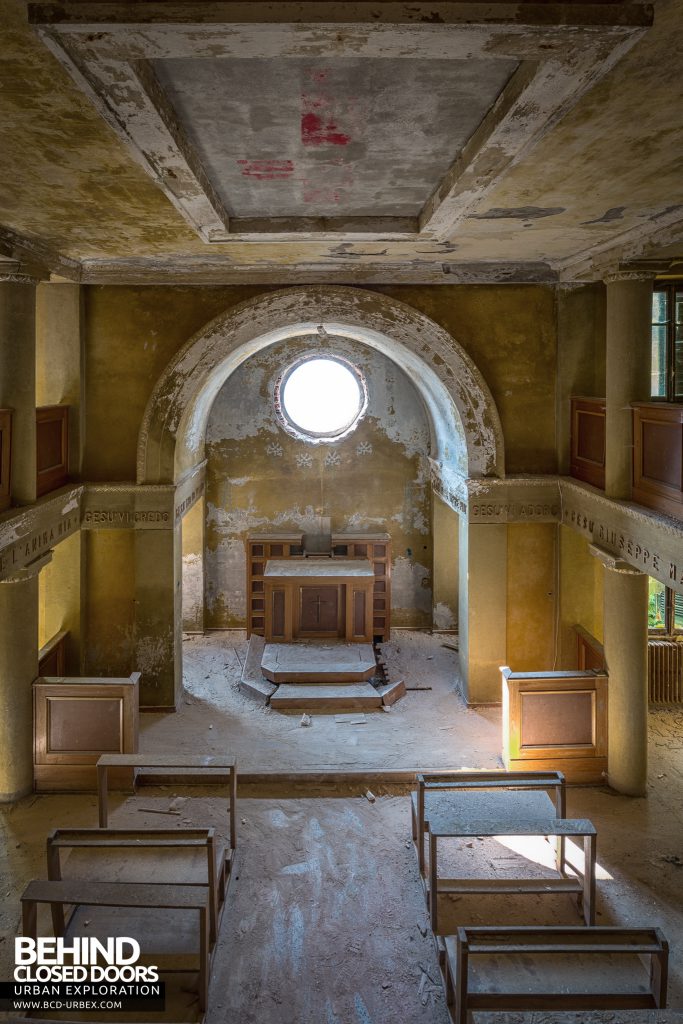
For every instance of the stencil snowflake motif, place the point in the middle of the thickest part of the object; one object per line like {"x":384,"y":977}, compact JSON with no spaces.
{"x":304,"y":460}
{"x":333,"y":459}
{"x":364,"y":448}
{"x":276,"y":450}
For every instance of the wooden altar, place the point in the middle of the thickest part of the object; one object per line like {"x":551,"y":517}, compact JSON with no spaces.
{"x":318,"y":598}
{"x":374,"y":548}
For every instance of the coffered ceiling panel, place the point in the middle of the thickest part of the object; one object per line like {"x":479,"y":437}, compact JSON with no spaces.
{"x":334,"y":122}
{"x":296,"y":138}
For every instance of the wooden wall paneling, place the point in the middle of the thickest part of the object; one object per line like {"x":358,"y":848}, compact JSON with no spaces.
{"x":587,"y":460}
{"x":52,"y":448}
{"x":658,"y":457}
{"x":5,"y":458}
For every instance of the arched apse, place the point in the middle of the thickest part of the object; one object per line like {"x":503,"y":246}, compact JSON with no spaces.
{"x":467,"y":438}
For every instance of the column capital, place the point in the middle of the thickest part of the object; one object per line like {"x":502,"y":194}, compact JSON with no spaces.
{"x":613,"y":562}
{"x":616,"y":276}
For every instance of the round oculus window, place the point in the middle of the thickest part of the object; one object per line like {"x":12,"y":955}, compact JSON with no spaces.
{"x":322,"y":397}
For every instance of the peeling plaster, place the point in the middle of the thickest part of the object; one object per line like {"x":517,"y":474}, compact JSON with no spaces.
{"x":443,"y":617}
{"x":410,"y":589}
{"x":463,"y":416}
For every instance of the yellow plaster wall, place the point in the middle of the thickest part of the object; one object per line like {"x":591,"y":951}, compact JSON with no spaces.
{"x":445,"y":528}
{"x":531,"y":595}
{"x":510,"y":333}
{"x":59,"y":598}
{"x":193,"y":567}
{"x":132,"y":333}
{"x":581,"y":593}
{"x":110,"y":607}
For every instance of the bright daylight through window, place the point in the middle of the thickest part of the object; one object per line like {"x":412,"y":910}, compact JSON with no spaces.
{"x":322,"y":397}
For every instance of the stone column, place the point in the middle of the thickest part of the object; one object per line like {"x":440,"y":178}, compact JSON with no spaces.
{"x":625,"y":628}
{"x":18,"y":669}
{"x":628,"y":355}
{"x":158,"y":616}
{"x":482,"y":610}
{"x":18,"y":382}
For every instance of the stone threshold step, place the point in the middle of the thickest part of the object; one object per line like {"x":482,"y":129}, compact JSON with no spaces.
{"x":321,"y":697}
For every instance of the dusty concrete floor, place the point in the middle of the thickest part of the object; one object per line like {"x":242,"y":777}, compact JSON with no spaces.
{"x":326,"y":922}
{"x":425,"y":729}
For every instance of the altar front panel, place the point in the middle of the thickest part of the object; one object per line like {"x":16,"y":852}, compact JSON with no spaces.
{"x":318,"y":598}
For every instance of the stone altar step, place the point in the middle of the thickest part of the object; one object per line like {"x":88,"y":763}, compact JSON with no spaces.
{"x":252,"y":681}
{"x":321,"y":697}
{"x":317,"y":662}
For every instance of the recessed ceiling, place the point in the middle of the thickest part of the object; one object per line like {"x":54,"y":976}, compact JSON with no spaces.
{"x":573,"y":165}
{"x":299,"y":138}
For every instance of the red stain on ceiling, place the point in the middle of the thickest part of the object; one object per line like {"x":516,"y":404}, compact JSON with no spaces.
{"x":320,"y":115}
{"x":266,"y":170}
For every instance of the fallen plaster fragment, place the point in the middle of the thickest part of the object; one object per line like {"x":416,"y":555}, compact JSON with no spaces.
{"x":305,"y":719}
{"x":370,"y":796}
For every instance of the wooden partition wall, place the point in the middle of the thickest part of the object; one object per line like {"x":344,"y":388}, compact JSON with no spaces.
{"x":658,"y":457}
{"x":5,"y":458}
{"x":52,"y":655}
{"x":588,"y":440}
{"x":556,"y":721}
{"x":590,"y":653}
{"x":52,"y":448}
{"x":75,"y":720}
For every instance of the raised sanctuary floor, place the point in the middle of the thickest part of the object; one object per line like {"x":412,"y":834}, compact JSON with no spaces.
{"x":318,"y":662}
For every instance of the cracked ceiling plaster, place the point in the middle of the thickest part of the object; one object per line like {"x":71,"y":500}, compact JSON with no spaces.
{"x":608,"y":174}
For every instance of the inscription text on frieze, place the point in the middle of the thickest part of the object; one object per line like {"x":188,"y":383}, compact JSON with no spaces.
{"x":123,"y":517}
{"x":624,"y":545}
{"x":517,"y":511}
{"x":37,"y":543}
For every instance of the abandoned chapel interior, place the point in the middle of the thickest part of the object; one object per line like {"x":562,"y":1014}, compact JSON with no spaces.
{"x":341,"y":506}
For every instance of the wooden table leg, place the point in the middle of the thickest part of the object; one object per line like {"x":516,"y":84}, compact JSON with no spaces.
{"x":54,"y":873}
{"x":233,"y":807}
{"x":433,"y":894}
{"x":421,"y":829}
{"x":589,"y":858}
{"x":29,"y":918}
{"x":460,"y":983}
{"x":659,"y":975}
{"x":203,"y":960}
{"x":102,"y":794}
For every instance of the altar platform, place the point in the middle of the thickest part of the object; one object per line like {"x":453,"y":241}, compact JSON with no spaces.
{"x":318,"y":662}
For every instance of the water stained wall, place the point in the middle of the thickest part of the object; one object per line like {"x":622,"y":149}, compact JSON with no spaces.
{"x":261,"y":479}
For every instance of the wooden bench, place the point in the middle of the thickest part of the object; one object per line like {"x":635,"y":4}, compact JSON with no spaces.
{"x":170,"y":764}
{"x":450,"y":823}
{"x":127,"y":896}
{"x":183,"y":845}
{"x":520,"y":949}
{"x":531,"y":793}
